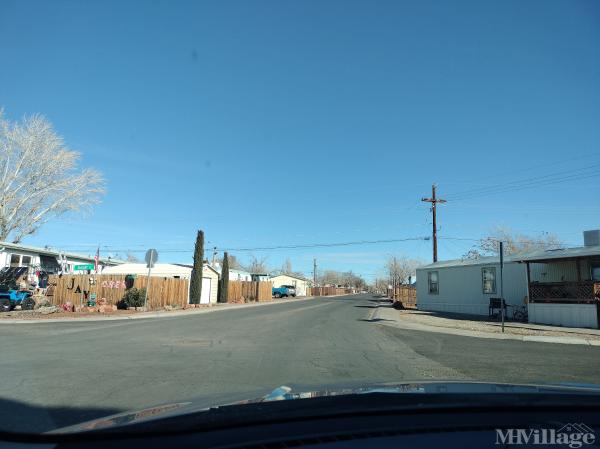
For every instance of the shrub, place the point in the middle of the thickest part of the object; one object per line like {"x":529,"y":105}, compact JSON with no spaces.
{"x":132,"y":298}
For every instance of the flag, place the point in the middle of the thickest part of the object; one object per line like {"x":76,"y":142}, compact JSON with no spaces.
{"x":96,"y":260}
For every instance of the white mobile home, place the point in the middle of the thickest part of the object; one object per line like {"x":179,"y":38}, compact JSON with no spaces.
{"x":48,"y":261}
{"x":466,"y":286}
{"x":559,"y":286}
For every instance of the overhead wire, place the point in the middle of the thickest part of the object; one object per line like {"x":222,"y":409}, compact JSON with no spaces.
{"x":550,"y":178}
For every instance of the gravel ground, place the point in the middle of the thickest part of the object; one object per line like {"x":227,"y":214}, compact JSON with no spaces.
{"x":37,"y":315}
{"x":481,"y":325}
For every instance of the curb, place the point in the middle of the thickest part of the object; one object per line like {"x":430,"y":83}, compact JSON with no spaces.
{"x":157,"y":314}
{"x":478,"y":334}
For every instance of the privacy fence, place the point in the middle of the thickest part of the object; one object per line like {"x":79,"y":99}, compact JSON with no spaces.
{"x":406,"y":294}
{"x":328,"y":291}
{"x":246,"y":291}
{"x":80,"y":288}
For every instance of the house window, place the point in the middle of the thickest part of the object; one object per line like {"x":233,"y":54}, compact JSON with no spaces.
{"x":15,"y":260}
{"x":488,"y":279}
{"x":26,"y":261}
{"x":595,"y":271}
{"x":432,"y":280}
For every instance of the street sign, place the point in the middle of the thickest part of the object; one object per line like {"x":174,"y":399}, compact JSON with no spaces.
{"x":151,"y":257}
{"x":88,"y":266}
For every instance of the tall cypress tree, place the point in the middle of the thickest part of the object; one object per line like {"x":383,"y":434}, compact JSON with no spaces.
{"x":224,"y":278}
{"x":196,"y":281}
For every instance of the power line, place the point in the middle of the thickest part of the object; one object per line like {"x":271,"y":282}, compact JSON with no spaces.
{"x":271,"y":248}
{"x":550,"y":178}
{"x":326,"y":245}
{"x":529,"y":185}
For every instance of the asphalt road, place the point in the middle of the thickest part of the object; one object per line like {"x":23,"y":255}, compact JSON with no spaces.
{"x":56,"y":374}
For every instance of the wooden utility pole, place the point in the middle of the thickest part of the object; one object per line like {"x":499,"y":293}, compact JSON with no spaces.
{"x":434,"y":200}
{"x":314,"y":272}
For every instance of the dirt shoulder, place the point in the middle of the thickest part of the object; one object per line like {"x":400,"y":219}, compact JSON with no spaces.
{"x":480,"y":326}
{"x":60,"y":315}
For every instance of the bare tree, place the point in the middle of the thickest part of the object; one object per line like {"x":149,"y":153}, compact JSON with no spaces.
{"x":287,"y":267}
{"x":515,"y":243}
{"x":472,"y":254}
{"x":380,"y":286}
{"x":257,"y":265}
{"x":132,"y":258}
{"x":234,"y":263}
{"x":347,"y":279}
{"x":402,"y":269}
{"x":39,"y":178}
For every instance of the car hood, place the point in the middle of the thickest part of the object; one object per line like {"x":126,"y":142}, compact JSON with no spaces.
{"x":284,"y":393}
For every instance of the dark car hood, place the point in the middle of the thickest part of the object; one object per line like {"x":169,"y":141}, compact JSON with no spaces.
{"x":284,"y":393}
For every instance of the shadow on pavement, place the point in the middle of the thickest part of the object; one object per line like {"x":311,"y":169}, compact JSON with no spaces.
{"x":373,"y":320}
{"x":19,"y":417}
{"x":370,"y":306}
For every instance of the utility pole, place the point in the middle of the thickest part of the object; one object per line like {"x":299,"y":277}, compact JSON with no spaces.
{"x":502,"y":282}
{"x":315,"y":272}
{"x":214,"y":255}
{"x":434,"y":200}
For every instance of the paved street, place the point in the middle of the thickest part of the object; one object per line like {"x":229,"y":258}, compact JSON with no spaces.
{"x":86,"y":370}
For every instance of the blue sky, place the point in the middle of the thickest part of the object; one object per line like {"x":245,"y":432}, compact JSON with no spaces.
{"x":293,"y":122}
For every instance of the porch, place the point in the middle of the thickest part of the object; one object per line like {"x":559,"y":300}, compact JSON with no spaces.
{"x":563,"y":287}
{"x":583,"y":292}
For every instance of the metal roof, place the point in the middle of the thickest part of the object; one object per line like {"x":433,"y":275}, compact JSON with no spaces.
{"x":532,"y":256}
{"x":53,"y":252}
{"x":562,"y":253}
{"x":486,"y":260}
{"x":291,"y":276}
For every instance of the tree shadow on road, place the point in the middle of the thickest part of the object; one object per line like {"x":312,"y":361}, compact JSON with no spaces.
{"x":20,"y":417}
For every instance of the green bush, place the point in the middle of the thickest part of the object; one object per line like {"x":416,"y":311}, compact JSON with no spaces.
{"x":133,"y":297}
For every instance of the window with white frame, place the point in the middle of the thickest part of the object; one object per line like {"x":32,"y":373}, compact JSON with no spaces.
{"x":432,"y":281}
{"x":15,"y":260}
{"x":488,"y":280}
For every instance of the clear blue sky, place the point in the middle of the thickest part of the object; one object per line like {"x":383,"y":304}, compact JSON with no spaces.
{"x":293,"y":122}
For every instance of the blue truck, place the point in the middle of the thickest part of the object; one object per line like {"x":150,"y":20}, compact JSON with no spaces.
{"x":284,"y":291}
{"x":10,"y":294}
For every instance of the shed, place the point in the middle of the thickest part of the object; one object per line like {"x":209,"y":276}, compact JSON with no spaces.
{"x":466,"y":285}
{"x":300,"y":283}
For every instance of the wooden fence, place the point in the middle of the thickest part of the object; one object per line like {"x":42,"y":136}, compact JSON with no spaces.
{"x":406,"y":294}
{"x":328,"y":291}
{"x":80,"y":288}
{"x":245,"y":291}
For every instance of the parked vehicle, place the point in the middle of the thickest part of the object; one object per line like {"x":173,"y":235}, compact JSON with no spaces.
{"x":11,"y":295}
{"x":284,"y":291}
